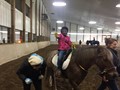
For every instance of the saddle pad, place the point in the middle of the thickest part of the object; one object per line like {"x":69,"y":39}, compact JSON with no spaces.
{"x":65,"y":63}
{"x":55,"y":59}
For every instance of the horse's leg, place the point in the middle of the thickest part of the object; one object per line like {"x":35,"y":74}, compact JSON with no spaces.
{"x":75,"y":86}
{"x":49,"y":77}
{"x":55,"y":85}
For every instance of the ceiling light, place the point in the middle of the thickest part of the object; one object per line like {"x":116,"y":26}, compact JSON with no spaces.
{"x":99,"y":28}
{"x":81,"y":28}
{"x":92,"y":22}
{"x":117,"y":29}
{"x":118,"y":5}
{"x":118,"y":23}
{"x":3,"y":31}
{"x":59,"y":4}
{"x":59,"y":21}
{"x":59,"y":27}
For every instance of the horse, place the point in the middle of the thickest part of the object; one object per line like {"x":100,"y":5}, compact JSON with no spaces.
{"x":81,"y":60}
{"x":91,"y":42}
{"x":95,"y":42}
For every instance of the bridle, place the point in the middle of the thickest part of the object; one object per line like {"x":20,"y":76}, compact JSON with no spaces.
{"x":103,"y":72}
{"x":106,"y":71}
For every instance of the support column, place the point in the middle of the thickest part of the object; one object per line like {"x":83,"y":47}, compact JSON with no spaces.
{"x":83,"y":35}
{"x":9,"y":35}
{"x":21,"y":36}
{"x":70,"y":29}
{"x":36,"y":20}
{"x":76,"y":33}
{"x":41,"y":6}
{"x":102,"y":36}
{"x":97,"y":35}
{"x":39,"y":20}
{"x":12,"y":34}
{"x":24,"y":18}
{"x":64,"y":23}
{"x":90,"y":33}
{"x":30,"y":34}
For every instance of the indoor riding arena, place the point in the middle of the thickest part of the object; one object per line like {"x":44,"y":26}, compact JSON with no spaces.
{"x":90,"y":29}
{"x":10,"y":81}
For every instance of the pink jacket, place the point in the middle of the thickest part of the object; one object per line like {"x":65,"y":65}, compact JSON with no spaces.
{"x":64,"y":42}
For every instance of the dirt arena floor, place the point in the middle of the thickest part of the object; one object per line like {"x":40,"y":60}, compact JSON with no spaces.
{"x":10,"y":81}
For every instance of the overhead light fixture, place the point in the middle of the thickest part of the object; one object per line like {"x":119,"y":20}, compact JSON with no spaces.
{"x":81,"y":28}
{"x":59,"y":27}
{"x":99,"y":28}
{"x":59,"y":21}
{"x":118,"y":5}
{"x":59,"y":4}
{"x":117,"y":29}
{"x":92,"y":22}
{"x":3,"y":31}
{"x":118,"y":23}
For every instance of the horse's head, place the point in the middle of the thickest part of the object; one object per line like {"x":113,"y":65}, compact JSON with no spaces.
{"x":105,"y":63}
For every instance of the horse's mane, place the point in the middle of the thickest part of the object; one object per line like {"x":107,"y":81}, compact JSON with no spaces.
{"x":86,"y":52}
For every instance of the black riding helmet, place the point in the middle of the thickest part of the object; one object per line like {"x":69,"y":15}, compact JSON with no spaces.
{"x":64,"y":30}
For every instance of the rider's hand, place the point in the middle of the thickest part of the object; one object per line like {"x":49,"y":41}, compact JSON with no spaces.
{"x":73,"y":46}
{"x":56,"y":34}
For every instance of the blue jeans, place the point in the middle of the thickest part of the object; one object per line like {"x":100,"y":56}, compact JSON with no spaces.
{"x":61,"y":54}
{"x":111,"y":84}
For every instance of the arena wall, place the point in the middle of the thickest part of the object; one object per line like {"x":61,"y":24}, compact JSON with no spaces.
{"x":11,"y":52}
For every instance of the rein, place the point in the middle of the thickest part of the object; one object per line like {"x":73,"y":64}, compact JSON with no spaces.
{"x":83,"y":68}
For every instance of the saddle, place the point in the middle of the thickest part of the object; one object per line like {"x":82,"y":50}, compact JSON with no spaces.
{"x":65,"y":63}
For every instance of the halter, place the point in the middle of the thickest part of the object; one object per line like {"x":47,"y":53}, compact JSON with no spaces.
{"x":105,"y":71}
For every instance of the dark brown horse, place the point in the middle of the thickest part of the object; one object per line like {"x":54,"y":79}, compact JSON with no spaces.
{"x":82,"y":59}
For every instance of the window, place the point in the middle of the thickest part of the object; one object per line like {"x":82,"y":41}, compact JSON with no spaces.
{"x":18,"y":5}
{"x":27,"y":10}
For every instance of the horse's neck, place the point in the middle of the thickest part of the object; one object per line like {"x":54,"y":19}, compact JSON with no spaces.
{"x":86,"y":60}
{"x":88,"y":64}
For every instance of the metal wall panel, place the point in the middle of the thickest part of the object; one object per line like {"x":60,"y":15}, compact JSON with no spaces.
{"x":18,"y":20}
{"x":37,"y":28}
{"x":27,"y":24}
{"x":73,"y":32}
{"x":5,"y":15}
{"x":33,"y":18}
{"x":38,"y":17}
